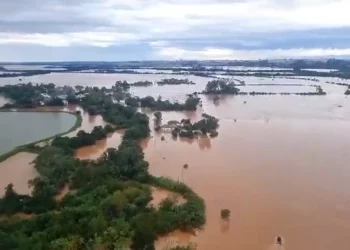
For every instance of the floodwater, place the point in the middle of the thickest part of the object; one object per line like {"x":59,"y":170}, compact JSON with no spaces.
{"x":94,"y":152}
{"x":279,"y":164}
{"x":159,"y":195}
{"x":88,"y":123}
{"x":18,"y":170}
{"x":281,"y":168}
{"x":19,"y":128}
{"x":94,"y":79}
{"x":30,"y":67}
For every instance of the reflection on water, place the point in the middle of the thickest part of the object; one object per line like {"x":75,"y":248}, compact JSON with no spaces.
{"x":18,"y":170}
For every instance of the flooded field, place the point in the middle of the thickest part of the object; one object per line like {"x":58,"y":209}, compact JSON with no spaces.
{"x":18,"y":170}
{"x":279,"y":164}
{"x":94,"y":79}
{"x":30,"y":67}
{"x":277,"y":178}
{"x":281,"y":169}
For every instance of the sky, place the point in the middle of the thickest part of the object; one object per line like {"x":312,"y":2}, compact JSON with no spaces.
{"x":119,"y":30}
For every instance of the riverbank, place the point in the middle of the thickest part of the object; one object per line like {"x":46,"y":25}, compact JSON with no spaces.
{"x":30,"y":147}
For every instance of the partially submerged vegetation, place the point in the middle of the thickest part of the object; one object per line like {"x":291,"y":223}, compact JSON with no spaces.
{"x":174,"y":81}
{"x":223,"y":86}
{"x":83,"y":139}
{"x":347,"y":92}
{"x":225,"y":214}
{"x":110,"y":208}
{"x":33,"y":95}
{"x":207,"y":125}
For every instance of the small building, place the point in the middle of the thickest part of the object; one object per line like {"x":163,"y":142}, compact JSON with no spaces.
{"x":62,"y":97}
{"x":80,"y":96}
{"x":45,"y":97}
{"x":65,"y":90}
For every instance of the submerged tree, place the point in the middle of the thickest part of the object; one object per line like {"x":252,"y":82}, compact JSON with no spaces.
{"x":157,"y":120}
{"x":221,"y":86}
{"x":225,"y":213}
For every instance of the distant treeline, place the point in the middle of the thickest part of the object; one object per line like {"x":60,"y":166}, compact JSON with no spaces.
{"x":24,"y":73}
{"x":222,"y":86}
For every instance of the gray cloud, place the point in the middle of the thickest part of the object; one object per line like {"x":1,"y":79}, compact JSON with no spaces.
{"x":156,"y":25}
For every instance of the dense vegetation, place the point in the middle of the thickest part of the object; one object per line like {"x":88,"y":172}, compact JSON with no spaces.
{"x":190,"y":104}
{"x":174,"y":81}
{"x":24,"y":73}
{"x":141,"y":84}
{"x":83,"y":139}
{"x":25,"y":94}
{"x":207,"y":125}
{"x":110,"y":206}
{"x":221,"y":87}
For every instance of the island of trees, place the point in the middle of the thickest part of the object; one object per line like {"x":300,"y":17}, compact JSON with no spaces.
{"x":185,"y":128}
{"x":174,"y":81}
{"x":223,"y":86}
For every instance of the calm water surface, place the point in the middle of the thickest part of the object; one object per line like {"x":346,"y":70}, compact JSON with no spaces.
{"x":18,"y":128}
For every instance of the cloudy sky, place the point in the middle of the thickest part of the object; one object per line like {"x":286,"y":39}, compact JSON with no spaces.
{"x":113,"y":30}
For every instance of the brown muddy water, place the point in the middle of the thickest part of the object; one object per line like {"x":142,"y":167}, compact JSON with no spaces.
{"x":18,"y":170}
{"x":158,"y":195}
{"x":94,"y":152}
{"x":281,"y":168}
{"x":280,"y":164}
